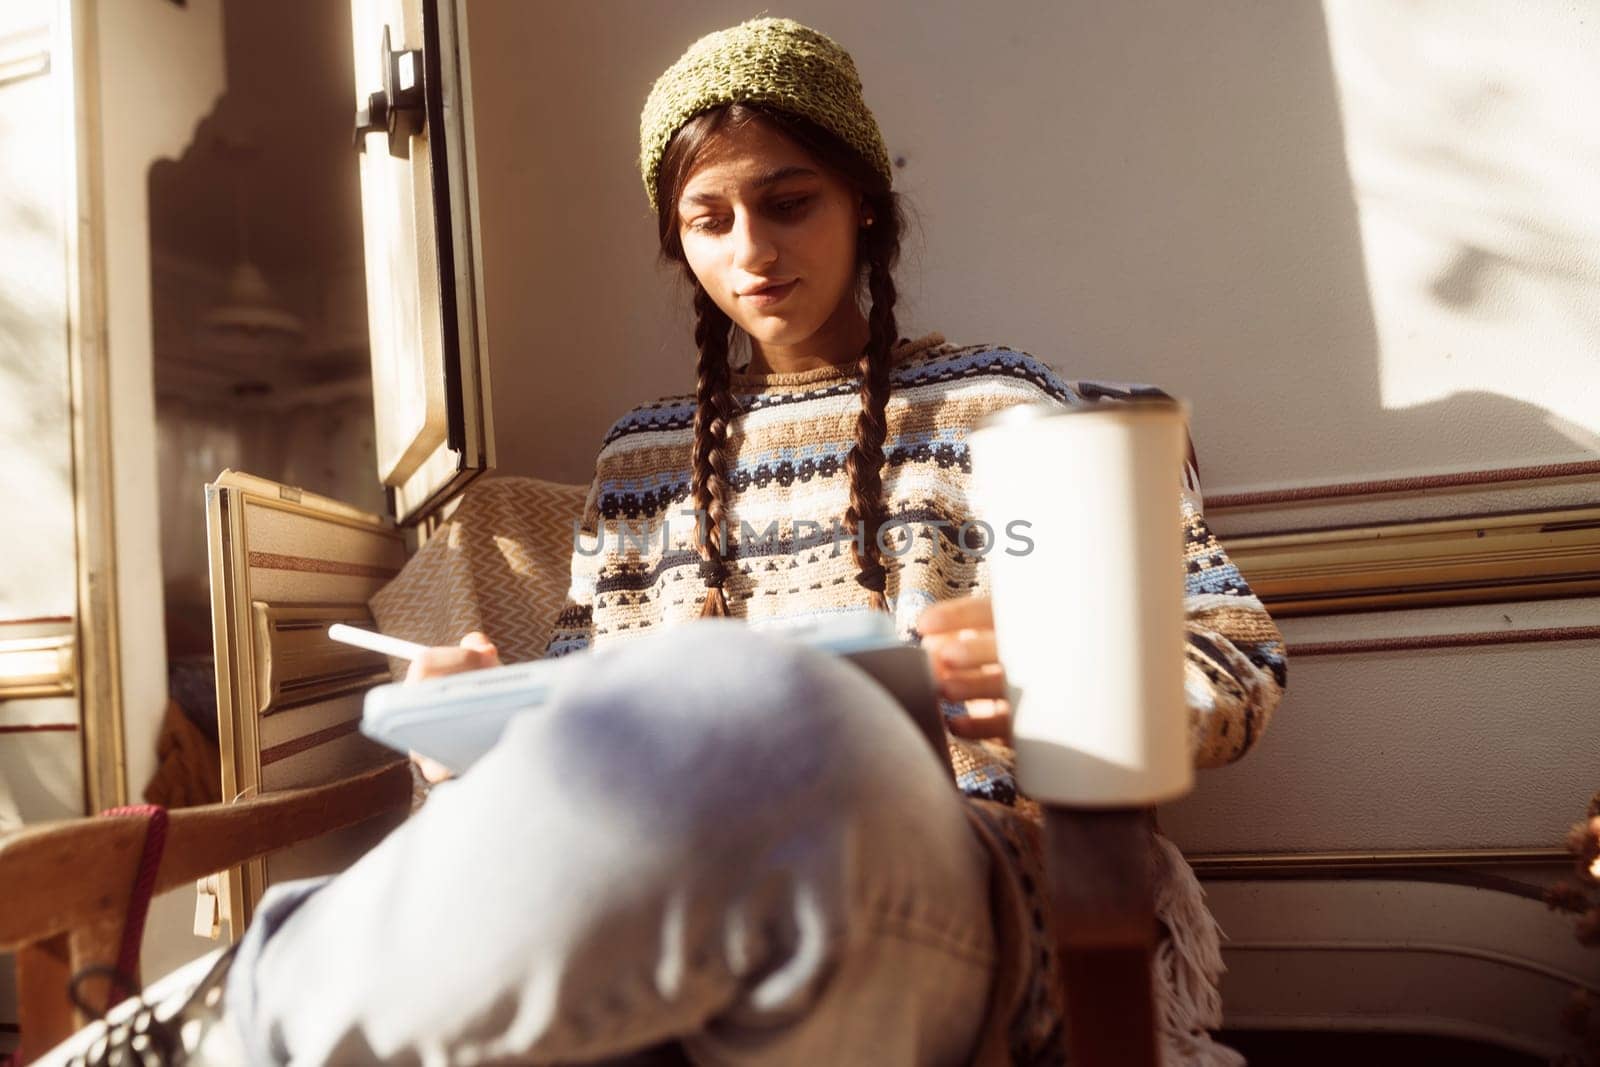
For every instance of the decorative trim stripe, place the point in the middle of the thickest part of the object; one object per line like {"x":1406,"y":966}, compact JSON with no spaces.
{"x":36,"y":621}
{"x":40,"y":728}
{"x":307,"y":565}
{"x":1381,"y":487}
{"x":308,"y":741}
{"x":1228,"y":864}
{"x":1427,"y":642}
{"x":1479,"y":559}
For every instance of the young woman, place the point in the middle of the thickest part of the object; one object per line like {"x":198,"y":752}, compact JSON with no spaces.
{"x":716,"y":840}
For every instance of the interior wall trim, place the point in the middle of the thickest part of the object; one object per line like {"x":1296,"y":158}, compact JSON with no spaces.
{"x":1431,"y":563}
{"x":1437,"y":948}
{"x":1426,"y":642}
{"x":1302,"y":494}
{"x":1495,"y":870}
{"x":1336,"y":863}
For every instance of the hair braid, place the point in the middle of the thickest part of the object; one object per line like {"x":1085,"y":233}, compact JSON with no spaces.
{"x":714,"y":410}
{"x":867,"y":514}
{"x":877,"y":249}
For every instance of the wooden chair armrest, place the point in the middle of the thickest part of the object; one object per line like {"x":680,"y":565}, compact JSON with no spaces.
{"x":1102,"y":894}
{"x":68,"y":884}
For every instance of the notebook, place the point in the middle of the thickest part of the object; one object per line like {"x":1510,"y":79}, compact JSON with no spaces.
{"x":456,"y":718}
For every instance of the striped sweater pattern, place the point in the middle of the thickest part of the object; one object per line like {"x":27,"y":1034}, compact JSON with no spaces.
{"x":636,"y":566}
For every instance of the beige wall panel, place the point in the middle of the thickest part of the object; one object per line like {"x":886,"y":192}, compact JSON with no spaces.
{"x":273,"y":529}
{"x":1465,"y":748}
{"x":1356,"y":241}
{"x":41,"y":770}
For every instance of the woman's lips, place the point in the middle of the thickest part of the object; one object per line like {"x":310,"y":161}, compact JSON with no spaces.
{"x":770,"y":295}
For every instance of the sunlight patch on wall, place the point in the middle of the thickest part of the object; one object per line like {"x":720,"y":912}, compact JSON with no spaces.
{"x":1475,"y":165}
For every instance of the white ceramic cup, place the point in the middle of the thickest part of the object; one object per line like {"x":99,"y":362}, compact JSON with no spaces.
{"x":1089,"y":621}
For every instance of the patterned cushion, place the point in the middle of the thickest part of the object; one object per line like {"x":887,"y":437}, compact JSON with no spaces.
{"x":500,"y":564}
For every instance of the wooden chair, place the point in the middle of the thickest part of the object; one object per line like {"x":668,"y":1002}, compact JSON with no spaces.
{"x":69,"y":884}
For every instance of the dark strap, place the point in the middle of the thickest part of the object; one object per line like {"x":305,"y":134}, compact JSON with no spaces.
{"x":144,"y":885}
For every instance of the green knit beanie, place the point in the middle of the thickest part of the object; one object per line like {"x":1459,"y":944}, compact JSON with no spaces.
{"x":776,"y":62}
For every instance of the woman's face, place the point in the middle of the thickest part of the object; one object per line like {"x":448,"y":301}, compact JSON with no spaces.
{"x":758,"y":211}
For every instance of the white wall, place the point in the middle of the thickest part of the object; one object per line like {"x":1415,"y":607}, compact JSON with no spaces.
{"x":40,"y":770}
{"x":35,"y":393}
{"x":1362,"y":244}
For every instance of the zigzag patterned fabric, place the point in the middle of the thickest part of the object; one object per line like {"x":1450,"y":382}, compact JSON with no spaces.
{"x":499,"y":564}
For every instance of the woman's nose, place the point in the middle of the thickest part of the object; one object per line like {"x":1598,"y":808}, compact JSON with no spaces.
{"x":753,"y":247}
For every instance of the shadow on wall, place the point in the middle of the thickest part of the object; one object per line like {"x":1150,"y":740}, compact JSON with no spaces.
{"x":34,"y":372}
{"x":1206,"y":236}
{"x":36,"y":476}
{"x":1157,"y":192}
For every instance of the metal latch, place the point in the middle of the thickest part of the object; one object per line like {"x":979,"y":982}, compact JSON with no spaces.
{"x":397,"y":109}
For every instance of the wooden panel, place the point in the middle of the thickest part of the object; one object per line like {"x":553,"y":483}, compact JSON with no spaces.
{"x":1103,"y":899}
{"x":284,"y":566}
{"x":299,"y":665}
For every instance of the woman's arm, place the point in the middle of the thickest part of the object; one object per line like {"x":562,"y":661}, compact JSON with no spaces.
{"x":574,"y":626}
{"x":1235,"y":669}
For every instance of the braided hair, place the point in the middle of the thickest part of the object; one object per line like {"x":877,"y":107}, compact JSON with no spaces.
{"x":877,"y":250}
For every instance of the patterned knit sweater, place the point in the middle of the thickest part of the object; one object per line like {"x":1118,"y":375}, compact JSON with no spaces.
{"x":636,"y":569}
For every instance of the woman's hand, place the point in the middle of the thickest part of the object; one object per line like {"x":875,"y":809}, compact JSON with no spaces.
{"x":959,"y":637}
{"x":475,"y":652}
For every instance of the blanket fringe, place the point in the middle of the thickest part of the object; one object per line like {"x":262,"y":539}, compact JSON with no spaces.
{"x":1188,"y":966}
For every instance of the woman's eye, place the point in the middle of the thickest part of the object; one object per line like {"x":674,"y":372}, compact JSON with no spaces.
{"x":788,"y":207}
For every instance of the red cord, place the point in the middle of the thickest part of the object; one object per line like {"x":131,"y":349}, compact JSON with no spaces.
{"x":155,"y":841}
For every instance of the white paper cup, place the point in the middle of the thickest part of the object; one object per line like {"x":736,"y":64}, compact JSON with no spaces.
{"x":1089,"y":621}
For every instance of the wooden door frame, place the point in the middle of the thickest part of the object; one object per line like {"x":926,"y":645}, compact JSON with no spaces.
{"x":99,"y":682}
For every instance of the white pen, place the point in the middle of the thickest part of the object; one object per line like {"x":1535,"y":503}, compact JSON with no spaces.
{"x":389,"y":646}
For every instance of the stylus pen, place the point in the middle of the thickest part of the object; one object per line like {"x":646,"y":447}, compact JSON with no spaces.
{"x":389,"y":646}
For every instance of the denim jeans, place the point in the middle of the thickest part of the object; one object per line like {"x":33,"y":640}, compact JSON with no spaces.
{"x":713,"y":836}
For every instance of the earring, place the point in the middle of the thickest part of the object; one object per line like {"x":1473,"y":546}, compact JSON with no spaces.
{"x":867,"y":221}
